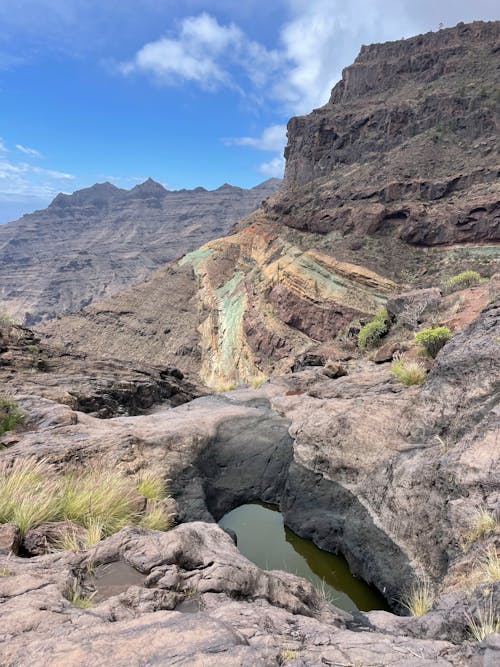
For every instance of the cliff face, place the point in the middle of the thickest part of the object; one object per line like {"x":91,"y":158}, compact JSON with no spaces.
{"x":407,"y":145}
{"x":392,"y":184}
{"x":102,"y":239}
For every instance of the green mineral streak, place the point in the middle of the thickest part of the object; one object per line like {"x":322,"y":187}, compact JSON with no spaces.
{"x":196,"y":257}
{"x":232,"y":304}
{"x":335,"y":284}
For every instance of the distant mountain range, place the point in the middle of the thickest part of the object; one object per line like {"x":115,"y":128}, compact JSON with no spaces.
{"x":101,"y":239}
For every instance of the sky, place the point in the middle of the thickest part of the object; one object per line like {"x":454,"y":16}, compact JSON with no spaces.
{"x":188,"y":92}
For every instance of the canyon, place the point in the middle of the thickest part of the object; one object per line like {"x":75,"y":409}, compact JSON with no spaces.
{"x":237,"y":374}
{"x":102,"y":239}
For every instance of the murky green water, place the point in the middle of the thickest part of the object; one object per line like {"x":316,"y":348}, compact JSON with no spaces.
{"x":263,"y":539}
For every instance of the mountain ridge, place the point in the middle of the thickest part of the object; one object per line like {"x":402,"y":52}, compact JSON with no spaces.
{"x":99,"y":240}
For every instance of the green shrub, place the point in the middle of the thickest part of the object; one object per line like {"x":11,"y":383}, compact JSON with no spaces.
{"x":5,"y":320}
{"x":461,"y":281}
{"x":373,"y":331}
{"x":10,"y":415}
{"x":433,"y":339}
{"x":408,"y":372}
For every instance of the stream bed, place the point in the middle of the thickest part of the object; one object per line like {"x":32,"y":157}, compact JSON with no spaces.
{"x":264,"y":540}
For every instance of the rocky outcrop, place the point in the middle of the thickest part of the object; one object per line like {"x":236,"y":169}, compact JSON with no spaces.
{"x":391,"y":186}
{"x":102,"y":239}
{"x":406,"y":147}
{"x":85,"y":382}
{"x":236,"y":613}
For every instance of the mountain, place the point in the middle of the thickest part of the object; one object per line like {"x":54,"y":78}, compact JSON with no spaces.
{"x":384,"y":451}
{"x":98,"y":240}
{"x":392,"y":184}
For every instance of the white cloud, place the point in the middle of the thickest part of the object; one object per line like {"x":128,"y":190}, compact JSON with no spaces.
{"x":203,"y":52}
{"x":32,"y":152}
{"x":272,"y":139}
{"x":3,"y":147}
{"x":21,"y":180}
{"x":273,"y":168}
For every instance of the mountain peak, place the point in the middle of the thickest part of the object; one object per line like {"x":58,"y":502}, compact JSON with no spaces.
{"x":149,"y":188}
{"x":96,"y":194}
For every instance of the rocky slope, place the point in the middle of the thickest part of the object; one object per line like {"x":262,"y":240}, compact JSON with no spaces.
{"x":402,"y":480}
{"x":100,"y":240}
{"x":392,"y":184}
{"x":357,"y":461}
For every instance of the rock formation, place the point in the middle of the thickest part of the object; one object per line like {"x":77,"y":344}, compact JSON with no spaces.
{"x":393,"y":184}
{"x":400,"y":477}
{"x":99,"y":240}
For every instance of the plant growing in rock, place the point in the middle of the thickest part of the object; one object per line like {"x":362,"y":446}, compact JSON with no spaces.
{"x":101,"y":501}
{"x":485,"y":622}
{"x":102,"y":495}
{"x":151,"y":485}
{"x":10,"y":415}
{"x":155,"y":518}
{"x":373,"y":330}
{"x":483,"y":523}
{"x":77,"y":597}
{"x":490,"y":565}
{"x":28,"y":494}
{"x":433,"y":339}
{"x":461,"y":281}
{"x":5,"y":320}
{"x":419,"y":598}
{"x":407,"y":371}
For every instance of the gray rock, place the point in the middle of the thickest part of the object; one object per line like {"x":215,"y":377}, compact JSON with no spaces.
{"x":409,"y":308}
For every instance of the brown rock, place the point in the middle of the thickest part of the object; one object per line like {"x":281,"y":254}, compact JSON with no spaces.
{"x":386,"y":352}
{"x":47,"y":537}
{"x":10,"y":539}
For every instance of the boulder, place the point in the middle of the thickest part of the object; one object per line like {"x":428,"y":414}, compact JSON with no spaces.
{"x":10,"y":539}
{"x":47,"y":537}
{"x":408,"y":308}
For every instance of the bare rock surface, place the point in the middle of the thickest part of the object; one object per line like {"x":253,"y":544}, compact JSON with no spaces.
{"x":243,"y":616}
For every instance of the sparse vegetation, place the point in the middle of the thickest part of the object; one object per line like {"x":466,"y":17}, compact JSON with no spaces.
{"x":5,"y":320}
{"x":155,"y":518}
{"x":486,"y":622}
{"x":461,"y":281}
{"x":151,"y":485}
{"x":373,"y":330}
{"x":101,"y":501}
{"x":490,"y":565}
{"x":10,"y":415}
{"x":483,"y":524}
{"x":287,"y":654}
{"x":4,"y":572}
{"x":407,"y":371}
{"x":77,"y":597}
{"x":418,"y":598}
{"x":257,"y":380}
{"x":433,"y":339}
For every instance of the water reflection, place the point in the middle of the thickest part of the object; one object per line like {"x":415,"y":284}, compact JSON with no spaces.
{"x":263,"y":539}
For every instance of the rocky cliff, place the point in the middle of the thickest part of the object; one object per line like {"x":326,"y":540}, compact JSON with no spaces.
{"x":392,"y":184}
{"x":99,"y":240}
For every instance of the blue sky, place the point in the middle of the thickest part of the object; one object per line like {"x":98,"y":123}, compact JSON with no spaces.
{"x":189,"y":93}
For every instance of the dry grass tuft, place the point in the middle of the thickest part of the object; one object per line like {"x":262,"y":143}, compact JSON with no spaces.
{"x":490,"y":565}
{"x":151,"y":485}
{"x":419,"y":598}
{"x":155,"y":518}
{"x":483,"y":524}
{"x":486,"y":622}
{"x":408,"y":372}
